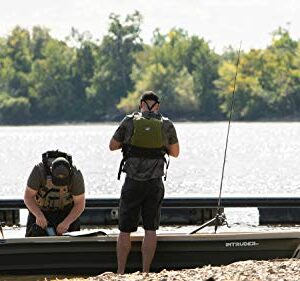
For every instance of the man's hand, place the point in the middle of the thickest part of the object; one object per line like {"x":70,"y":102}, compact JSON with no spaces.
{"x":62,"y":228}
{"x":41,"y":221}
{"x":79,"y":205}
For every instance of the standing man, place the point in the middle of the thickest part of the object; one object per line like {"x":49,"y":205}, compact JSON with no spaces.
{"x":145,"y":137}
{"x":54,"y":196}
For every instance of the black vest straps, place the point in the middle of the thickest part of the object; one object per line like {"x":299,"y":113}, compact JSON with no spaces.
{"x":139,"y":152}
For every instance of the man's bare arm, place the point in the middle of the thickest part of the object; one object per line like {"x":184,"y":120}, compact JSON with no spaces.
{"x":78,"y":208}
{"x":173,"y":149}
{"x":114,"y":145}
{"x":29,"y":200}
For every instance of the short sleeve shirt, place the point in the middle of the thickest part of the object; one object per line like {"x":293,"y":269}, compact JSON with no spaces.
{"x":144,"y":168}
{"x":37,"y":179}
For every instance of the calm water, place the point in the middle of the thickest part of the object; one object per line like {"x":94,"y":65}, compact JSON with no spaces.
{"x":262,"y":159}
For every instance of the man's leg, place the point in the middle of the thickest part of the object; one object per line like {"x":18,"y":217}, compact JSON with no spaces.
{"x":151,"y":217}
{"x":129,"y":214}
{"x":148,"y":249}
{"x":123,"y":249}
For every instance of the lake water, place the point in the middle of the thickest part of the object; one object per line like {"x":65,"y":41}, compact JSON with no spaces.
{"x":262,"y":158}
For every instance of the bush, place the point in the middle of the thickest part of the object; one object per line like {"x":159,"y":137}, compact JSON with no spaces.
{"x":14,"y":111}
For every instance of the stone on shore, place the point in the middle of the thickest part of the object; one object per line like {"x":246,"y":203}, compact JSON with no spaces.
{"x":279,"y":270}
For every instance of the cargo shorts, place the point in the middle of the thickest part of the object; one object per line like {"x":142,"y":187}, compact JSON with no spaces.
{"x":140,"y":199}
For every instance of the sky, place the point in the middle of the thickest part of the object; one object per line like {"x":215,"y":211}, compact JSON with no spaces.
{"x":222,"y":23}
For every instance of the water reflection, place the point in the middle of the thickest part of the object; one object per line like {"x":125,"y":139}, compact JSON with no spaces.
{"x":262,"y":158}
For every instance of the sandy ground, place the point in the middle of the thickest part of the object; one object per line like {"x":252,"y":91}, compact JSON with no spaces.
{"x":279,"y":270}
{"x":248,"y":270}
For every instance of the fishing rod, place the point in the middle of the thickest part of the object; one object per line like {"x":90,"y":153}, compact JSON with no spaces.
{"x":220,"y":218}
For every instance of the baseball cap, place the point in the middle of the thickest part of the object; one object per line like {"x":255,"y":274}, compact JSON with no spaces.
{"x":61,"y":171}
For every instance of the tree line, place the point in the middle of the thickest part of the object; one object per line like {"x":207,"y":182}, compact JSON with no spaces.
{"x":46,"y":80}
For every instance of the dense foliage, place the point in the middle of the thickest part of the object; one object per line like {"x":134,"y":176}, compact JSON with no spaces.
{"x":45,"y":80}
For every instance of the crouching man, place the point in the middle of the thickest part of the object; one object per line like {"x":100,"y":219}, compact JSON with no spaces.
{"x":54,"y":196}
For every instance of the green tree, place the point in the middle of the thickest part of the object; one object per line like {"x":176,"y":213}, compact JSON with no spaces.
{"x":83,"y":67}
{"x":39,"y":39}
{"x":181,"y":69}
{"x":115,"y":59}
{"x":52,"y":90}
{"x":280,"y":73}
{"x":14,"y":110}
{"x":268,"y":80}
{"x":15,"y":61}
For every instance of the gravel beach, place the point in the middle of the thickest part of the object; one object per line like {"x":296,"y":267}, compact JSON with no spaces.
{"x":279,"y":270}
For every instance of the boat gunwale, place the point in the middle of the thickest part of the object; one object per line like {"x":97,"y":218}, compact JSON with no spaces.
{"x":161,"y":237}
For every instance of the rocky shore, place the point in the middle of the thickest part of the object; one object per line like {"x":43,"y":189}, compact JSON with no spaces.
{"x":279,"y":270}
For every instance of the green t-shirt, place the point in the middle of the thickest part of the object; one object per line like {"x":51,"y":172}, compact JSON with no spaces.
{"x":144,"y":168}
{"x":37,"y":179}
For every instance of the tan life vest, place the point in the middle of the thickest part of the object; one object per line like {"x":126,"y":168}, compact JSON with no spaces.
{"x":51,"y":197}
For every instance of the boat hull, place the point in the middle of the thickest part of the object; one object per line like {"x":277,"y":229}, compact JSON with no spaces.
{"x":97,"y":254}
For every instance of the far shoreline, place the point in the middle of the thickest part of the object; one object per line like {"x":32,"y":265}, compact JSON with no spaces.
{"x":179,"y":120}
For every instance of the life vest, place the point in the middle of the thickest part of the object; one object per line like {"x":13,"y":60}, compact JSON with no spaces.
{"x":147,"y":140}
{"x":51,"y":197}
